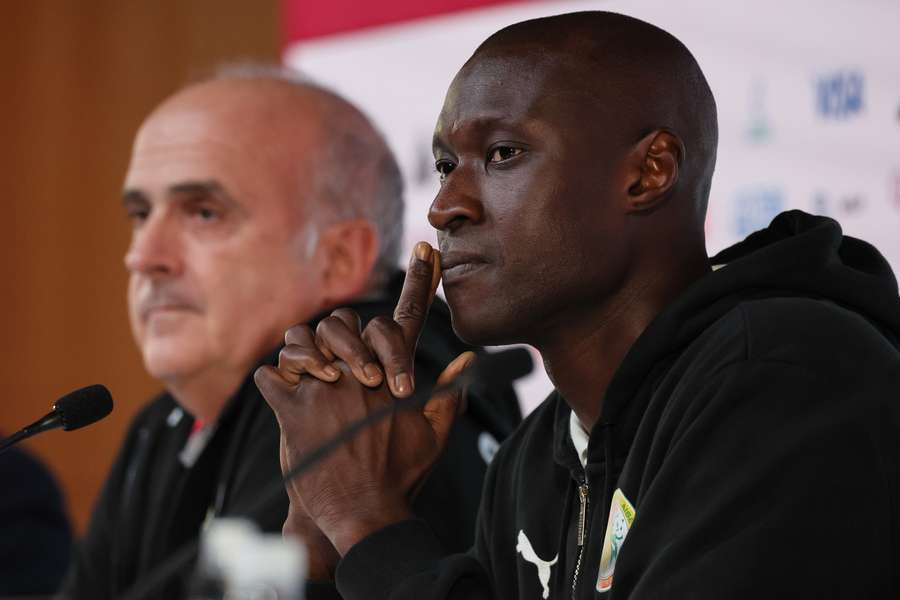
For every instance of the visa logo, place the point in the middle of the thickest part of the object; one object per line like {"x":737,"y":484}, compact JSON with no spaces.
{"x":840,"y":95}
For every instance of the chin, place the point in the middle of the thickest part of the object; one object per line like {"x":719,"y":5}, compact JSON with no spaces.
{"x":168,"y":359}
{"x":483,"y":327}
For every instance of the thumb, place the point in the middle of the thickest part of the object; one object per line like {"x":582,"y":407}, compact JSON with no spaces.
{"x":441,"y":409}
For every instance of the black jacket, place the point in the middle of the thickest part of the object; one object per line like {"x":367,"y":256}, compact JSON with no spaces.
{"x":749,"y":448}
{"x":35,"y":536}
{"x":151,"y":505}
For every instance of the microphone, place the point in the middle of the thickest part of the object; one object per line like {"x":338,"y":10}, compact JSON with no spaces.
{"x":500,"y":367}
{"x":73,"y":411}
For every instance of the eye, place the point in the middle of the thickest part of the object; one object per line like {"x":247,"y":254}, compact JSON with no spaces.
{"x":444,"y":167}
{"x":502,"y":153}
{"x":138,"y":216}
{"x":205,"y":213}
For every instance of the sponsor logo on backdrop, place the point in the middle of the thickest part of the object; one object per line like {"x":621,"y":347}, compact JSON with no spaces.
{"x":758,"y":129}
{"x":840,"y":95}
{"x":755,"y":206}
{"x":833,"y":204}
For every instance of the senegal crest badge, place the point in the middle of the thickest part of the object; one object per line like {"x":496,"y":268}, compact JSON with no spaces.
{"x":621,"y":516}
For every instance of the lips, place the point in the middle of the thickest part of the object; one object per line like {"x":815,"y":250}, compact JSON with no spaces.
{"x":456,"y":265}
{"x":163,"y":309}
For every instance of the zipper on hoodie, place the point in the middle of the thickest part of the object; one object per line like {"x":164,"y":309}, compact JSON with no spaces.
{"x":580,"y":533}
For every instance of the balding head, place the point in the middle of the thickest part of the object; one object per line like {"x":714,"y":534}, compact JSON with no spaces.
{"x":258,"y":200}
{"x":335,"y":165}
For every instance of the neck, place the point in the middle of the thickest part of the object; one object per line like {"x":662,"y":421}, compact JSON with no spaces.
{"x":586,"y":350}
{"x":205,"y":394}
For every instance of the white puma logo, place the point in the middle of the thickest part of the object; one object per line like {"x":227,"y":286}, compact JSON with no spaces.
{"x":524,"y":548}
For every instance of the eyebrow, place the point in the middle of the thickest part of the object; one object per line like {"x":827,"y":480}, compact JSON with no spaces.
{"x":132,"y":195}
{"x":211,"y":187}
{"x":438,"y":142}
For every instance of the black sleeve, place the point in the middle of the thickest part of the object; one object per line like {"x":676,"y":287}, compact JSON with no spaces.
{"x":777,"y":484}
{"x":406,"y":561}
{"x":36,"y":539}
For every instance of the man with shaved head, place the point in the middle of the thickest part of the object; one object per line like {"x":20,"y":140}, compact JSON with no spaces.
{"x":257,"y":200}
{"x":721,"y":427}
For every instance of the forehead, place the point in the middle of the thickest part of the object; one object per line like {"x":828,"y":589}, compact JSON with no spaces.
{"x":526,"y":85}
{"x":239,"y":146}
{"x":188,"y":144}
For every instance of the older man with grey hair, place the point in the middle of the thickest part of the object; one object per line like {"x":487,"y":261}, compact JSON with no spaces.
{"x":257,"y":200}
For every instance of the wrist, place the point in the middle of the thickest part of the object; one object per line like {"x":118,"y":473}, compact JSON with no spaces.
{"x":322,"y":559}
{"x":350,"y":530}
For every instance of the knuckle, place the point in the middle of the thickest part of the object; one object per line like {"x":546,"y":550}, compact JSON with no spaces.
{"x":286,"y":356}
{"x":261,"y":376}
{"x":297,"y":358}
{"x":298,"y":334}
{"x":345,"y":314}
{"x":310,"y":361}
{"x":328,"y":327}
{"x":381,"y":326}
{"x":410,"y":311}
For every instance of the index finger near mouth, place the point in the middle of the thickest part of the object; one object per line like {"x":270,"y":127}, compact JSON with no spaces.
{"x":421,"y":281}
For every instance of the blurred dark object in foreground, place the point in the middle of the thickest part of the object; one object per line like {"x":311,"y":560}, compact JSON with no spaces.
{"x":36,"y":539}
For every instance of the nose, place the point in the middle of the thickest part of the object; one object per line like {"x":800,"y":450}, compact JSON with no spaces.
{"x":456,"y":203}
{"x":154,"y":248}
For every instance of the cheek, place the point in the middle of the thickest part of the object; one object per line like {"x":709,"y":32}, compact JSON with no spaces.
{"x":137,"y":329}
{"x":255,"y":296}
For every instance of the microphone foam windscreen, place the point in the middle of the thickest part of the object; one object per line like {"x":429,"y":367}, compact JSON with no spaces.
{"x":84,"y":406}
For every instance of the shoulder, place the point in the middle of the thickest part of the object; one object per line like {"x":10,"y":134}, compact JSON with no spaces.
{"x":815,"y":332}
{"x":34,"y":483}
{"x":811,"y":332}
{"x":772,"y":355}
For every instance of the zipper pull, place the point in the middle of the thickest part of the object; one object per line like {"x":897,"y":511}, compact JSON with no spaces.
{"x":582,"y":513}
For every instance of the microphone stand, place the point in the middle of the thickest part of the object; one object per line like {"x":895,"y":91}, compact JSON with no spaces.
{"x":47,"y":422}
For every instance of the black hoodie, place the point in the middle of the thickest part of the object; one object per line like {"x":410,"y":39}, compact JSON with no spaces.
{"x":749,"y":448}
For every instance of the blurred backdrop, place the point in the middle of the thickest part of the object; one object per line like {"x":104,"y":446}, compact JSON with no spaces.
{"x":809,"y":109}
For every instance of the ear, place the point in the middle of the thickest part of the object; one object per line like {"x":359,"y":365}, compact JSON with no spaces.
{"x":346,"y":253}
{"x":653,"y":171}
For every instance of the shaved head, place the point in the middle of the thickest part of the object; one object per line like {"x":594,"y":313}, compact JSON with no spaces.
{"x":622,"y":65}
{"x":576,"y":154}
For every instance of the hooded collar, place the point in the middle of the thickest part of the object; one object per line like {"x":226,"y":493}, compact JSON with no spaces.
{"x":797,"y":255}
